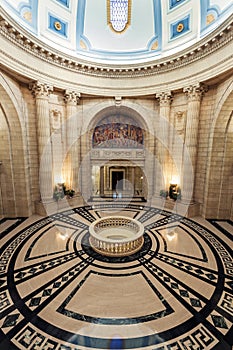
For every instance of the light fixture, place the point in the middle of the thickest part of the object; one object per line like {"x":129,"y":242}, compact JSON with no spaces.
{"x":175,"y":180}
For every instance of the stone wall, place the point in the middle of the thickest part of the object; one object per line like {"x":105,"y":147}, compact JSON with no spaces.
{"x":51,"y":104}
{"x":213,"y":160}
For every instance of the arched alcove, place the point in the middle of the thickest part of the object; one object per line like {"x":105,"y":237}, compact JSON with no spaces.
{"x":219,"y":189}
{"x":14,"y":191}
{"x":117,"y":159}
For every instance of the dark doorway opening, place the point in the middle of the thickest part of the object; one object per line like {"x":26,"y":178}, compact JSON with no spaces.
{"x":117,"y":183}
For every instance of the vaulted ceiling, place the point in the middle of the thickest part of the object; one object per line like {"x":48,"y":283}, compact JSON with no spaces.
{"x":119,"y":30}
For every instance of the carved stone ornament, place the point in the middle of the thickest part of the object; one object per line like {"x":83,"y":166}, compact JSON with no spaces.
{"x":195,"y":92}
{"x":72,"y":97}
{"x":55,"y":120}
{"x":40,"y":89}
{"x":165,"y":98}
{"x":180,"y":122}
{"x":118,"y":100}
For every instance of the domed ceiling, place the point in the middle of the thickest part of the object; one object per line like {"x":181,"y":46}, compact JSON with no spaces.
{"x":119,"y":30}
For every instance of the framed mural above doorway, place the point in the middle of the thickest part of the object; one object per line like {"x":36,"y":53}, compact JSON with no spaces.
{"x":117,"y":135}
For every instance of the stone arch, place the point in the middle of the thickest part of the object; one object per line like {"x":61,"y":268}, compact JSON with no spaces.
{"x":15,"y":194}
{"x":142,"y":118}
{"x":218,"y":191}
{"x":140,"y":113}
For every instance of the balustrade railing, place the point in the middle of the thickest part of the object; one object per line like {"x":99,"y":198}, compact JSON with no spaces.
{"x":130,"y":232}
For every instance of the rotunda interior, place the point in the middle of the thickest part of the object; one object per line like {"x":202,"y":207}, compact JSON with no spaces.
{"x":116,"y":110}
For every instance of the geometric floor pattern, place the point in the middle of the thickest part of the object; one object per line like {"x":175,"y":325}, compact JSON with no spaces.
{"x":57,"y":293}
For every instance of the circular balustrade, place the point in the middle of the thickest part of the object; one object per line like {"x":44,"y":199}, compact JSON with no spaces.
{"x":116,"y":235}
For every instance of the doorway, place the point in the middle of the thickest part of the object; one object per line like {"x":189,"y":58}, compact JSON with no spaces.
{"x":117,"y":180}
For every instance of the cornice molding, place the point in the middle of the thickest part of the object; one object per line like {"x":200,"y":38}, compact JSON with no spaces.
{"x":12,"y":31}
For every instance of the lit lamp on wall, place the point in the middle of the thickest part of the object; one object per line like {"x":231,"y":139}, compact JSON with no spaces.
{"x":174,"y":189}
{"x":58,"y":179}
{"x":141,"y":184}
{"x":59,"y":189}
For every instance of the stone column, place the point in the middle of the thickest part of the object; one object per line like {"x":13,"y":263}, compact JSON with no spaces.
{"x":149,"y":177}
{"x":133,"y":179}
{"x":107,"y":178}
{"x":85,"y":171}
{"x":102,"y":180}
{"x":1,"y":197}
{"x":41,"y":93}
{"x":194,"y":95}
{"x":72,"y":99}
{"x":164,"y":144}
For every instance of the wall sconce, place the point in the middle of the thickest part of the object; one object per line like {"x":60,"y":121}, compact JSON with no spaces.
{"x":174,"y":192}
{"x":175,"y":180}
{"x":174,"y":189}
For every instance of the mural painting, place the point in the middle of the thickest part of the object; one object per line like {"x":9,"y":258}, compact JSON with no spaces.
{"x":117,"y":135}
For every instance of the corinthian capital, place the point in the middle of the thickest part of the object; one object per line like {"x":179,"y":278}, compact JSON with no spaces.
{"x":195,"y":92}
{"x":40,"y":89}
{"x":72,"y":97}
{"x":165,"y":98}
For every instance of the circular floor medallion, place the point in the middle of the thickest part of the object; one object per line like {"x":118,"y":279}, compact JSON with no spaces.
{"x":56,"y":292}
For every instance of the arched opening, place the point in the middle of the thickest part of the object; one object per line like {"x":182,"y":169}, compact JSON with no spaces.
{"x":117,"y":156}
{"x":219,"y":193}
{"x":14,"y":193}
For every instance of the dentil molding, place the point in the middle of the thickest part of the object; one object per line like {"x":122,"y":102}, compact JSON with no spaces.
{"x":11,"y":30}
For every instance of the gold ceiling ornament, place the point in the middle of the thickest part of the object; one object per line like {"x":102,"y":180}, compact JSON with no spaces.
{"x":119,"y":15}
{"x":28,"y":16}
{"x":210,"y":18}
{"x":180,"y":27}
{"x":57,"y":25}
{"x":83,"y":45}
{"x":155,"y":45}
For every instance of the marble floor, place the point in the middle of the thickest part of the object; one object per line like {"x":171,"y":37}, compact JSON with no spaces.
{"x":57,"y":293}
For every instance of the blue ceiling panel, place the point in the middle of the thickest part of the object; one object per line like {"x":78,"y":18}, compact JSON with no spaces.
{"x":180,"y":27}
{"x":152,"y":28}
{"x":175,"y":3}
{"x":64,"y":2}
{"x":57,"y":25}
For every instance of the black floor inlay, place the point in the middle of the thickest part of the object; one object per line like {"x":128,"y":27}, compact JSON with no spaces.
{"x":188,"y":284}
{"x":144,"y":250}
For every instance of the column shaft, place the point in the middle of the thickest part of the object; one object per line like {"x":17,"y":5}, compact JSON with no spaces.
{"x":164,"y":146}
{"x":194,"y":95}
{"x":41,"y":92}
{"x":72,"y":138}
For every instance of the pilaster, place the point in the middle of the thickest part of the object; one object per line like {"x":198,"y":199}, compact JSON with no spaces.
{"x":194,"y":95}
{"x":41,"y":92}
{"x":164,"y":135}
{"x":72,"y":99}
